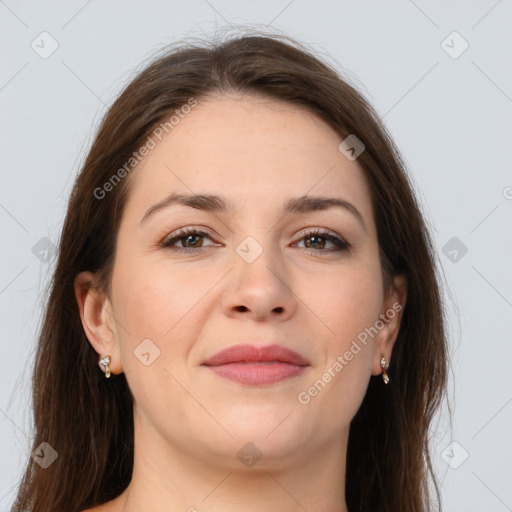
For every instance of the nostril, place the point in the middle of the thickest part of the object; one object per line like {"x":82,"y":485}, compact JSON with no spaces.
{"x":241,"y":308}
{"x":278,"y":310}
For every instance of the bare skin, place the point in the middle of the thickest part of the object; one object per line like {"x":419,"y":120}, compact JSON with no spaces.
{"x":190,"y":423}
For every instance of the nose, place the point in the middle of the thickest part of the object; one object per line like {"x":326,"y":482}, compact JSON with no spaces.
{"x":259,"y":290}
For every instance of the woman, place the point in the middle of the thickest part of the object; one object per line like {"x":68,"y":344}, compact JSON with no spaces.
{"x":246,"y":312}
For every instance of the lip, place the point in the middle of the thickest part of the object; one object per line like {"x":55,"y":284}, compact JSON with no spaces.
{"x":249,"y":364}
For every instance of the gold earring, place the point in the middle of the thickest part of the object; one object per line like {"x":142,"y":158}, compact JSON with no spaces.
{"x":384,"y":366}
{"x":105,"y":365}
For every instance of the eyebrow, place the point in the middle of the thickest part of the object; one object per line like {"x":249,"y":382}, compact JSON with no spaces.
{"x":214,"y":203}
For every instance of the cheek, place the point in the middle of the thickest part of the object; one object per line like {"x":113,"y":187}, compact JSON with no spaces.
{"x":156,"y":310}
{"x":348,"y":301}
{"x":151,"y":298}
{"x":358,"y":306}
{"x":162,"y":304}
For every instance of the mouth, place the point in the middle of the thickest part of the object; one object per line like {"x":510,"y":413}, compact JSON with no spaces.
{"x":252,"y":365}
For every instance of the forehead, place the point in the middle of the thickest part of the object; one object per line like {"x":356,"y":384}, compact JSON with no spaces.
{"x":251,"y":150}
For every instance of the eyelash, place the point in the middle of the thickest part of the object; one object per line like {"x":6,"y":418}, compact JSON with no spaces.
{"x":341,"y":244}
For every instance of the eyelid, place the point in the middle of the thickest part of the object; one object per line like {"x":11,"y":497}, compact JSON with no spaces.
{"x":320,"y":231}
{"x":340,"y":242}
{"x":187,"y":230}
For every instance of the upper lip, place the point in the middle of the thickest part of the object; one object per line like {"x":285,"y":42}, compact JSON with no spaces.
{"x":254,"y":354}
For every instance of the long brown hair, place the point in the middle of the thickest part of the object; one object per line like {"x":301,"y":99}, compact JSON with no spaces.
{"x":88,"y":419}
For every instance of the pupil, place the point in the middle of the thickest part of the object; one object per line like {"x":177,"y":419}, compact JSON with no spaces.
{"x":315,"y":237}
{"x":191,"y":236}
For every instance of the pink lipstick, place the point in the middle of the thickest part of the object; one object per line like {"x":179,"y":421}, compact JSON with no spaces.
{"x":249,"y":364}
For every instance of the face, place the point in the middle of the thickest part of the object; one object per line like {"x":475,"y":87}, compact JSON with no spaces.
{"x":306,"y":278}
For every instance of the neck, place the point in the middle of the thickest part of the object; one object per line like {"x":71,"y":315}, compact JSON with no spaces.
{"x":166,"y":478}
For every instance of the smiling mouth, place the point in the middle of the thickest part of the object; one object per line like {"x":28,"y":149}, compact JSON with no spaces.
{"x":257,"y":364}
{"x":257,"y":372}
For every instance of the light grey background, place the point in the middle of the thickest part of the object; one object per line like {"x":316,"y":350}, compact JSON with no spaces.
{"x":450,"y":117}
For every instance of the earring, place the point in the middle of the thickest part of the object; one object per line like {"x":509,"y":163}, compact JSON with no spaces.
{"x":105,"y":365}
{"x":384,"y":366}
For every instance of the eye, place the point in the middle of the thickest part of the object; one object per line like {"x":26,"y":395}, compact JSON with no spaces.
{"x":316,"y":239}
{"x":190,"y":239}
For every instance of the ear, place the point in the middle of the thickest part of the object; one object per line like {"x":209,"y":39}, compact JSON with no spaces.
{"x":391,"y":317}
{"x":97,"y":319}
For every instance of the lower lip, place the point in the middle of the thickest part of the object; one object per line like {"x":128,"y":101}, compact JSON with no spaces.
{"x":257,"y":373}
